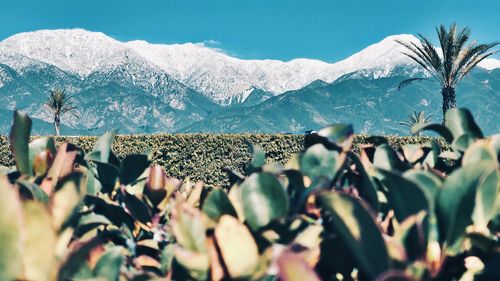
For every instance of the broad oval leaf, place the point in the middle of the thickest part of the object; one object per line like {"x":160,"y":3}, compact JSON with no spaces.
{"x":437,"y":128}
{"x":456,"y":202}
{"x":11,"y":260}
{"x":319,"y":162}
{"x":264,"y":199}
{"x":132,"y":166}
{"x":39,"y":242}
{"x":237,"y":246}
{"x":339,"y":134}
{"x":217,"y":204}
{"x":358,"y":230}
{"x":188,"y":227}
{"x":461,"y":122}
{"x":387,"y":158}
{"x":364,"y":184}
{"x":19,"y":142}
{"x":405,"y":197}
{"x":478,"y":151}
{"x":109,"y":265}
{"x":137,"y":208}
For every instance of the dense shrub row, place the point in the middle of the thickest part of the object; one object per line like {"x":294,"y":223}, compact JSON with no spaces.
{"x":206,"y":156}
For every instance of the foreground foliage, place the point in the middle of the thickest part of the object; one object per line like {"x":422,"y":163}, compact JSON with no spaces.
{"x":415,"y":214}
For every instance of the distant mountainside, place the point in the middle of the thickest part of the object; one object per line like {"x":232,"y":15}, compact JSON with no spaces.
{"x":137,"y":87}
{"x":373,"y":106}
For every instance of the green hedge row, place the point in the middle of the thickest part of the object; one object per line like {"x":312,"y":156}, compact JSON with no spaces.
{"x":203,"y":156}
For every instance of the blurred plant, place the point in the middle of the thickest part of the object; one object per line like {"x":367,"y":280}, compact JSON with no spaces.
{"x":449,"y":64}
{"x":416,"y":118}
{"x":418,"y":213}
{"x":59,"y":102}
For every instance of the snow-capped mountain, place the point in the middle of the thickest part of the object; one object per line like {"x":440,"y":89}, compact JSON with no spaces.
{"x":141,"y":87}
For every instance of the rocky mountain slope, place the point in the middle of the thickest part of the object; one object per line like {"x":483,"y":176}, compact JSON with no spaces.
{"x":139,"y":87}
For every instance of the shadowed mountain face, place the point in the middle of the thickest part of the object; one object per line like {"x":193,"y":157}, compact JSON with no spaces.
{"x":136,"y":87}
{"x":373,"y":106}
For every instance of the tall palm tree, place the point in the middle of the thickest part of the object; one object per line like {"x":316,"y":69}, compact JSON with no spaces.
{"x":416,"y":118}
{"x":451,"y":63}
{"x":59,"y":102}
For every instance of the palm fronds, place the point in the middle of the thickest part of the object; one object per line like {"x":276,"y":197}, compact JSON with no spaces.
{"x":454,"y":60}
{"x":409,"y":81}
{"x":59,"y":102}
{"x":416,"y":118}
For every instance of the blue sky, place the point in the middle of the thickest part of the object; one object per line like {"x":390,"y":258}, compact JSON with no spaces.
{"x":278,"y":29}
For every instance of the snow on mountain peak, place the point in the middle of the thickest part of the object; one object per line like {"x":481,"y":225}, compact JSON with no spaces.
{"x":208,"y":70}
{"x":75,"y":50}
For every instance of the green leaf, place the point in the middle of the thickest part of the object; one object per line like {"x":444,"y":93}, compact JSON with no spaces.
{"x":486,"y":198}
{"x":115,"y":213}
{"x":11,"y":259}
{"x":39,"y":242}
{"x":102,"y":148}
{"x":137,"y":208}
{"x":437,"y":128}
{"x":364,"y":184}
{"x":428,"y":182}
{"x":35,"y":191}
{"x":432,"y":156}
{"x":197,"y":264}
{"x":77,"y":258}
{"x":237,"y":247}
{"x":19,"y":141}
{"x":358,"y":230}
{"x":89,"y":222}
{"x":107,"y":174}
{"x":189,"y":228}
{"x":217,"y":204}
{"x":132,"y":166}
{"x":404,"y":197}
{"x":108,"y":266}
{"x":386,"y":158}
{"x":456,"y":202}
{"x":318,"y":161}
{"x":64,"y":201}
{"x":463,"y":142}
{"x":264,"y":199}
{"x":258,"y":157}
{"x":338,"y":134}
{"x":460,"y":122}
{"x":478,"y":151}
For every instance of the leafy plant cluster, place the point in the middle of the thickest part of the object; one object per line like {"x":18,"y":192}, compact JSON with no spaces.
{"x":205,"y":157}
{"x":328,"y":214}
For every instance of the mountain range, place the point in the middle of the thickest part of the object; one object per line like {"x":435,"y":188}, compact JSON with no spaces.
{"x":138,"y":87}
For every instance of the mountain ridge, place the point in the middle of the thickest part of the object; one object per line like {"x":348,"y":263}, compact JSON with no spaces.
{"x":204,"y":69}
{"x":139,"y":87}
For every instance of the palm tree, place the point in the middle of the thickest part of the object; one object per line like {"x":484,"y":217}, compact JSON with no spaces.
{"x":416,"y":118}
{"x":59,"y":103}
{"x":451,"y":63}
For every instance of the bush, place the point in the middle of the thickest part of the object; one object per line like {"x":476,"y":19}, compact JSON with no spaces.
{"x":419,"y":213}
{"x":205,"y":156}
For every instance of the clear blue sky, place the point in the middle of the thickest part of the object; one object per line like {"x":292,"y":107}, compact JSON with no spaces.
{"x":279,"y":29}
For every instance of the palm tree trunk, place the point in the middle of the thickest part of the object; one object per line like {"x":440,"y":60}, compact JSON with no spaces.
{"x":57,"y":124}
{"x":449,"y":100}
